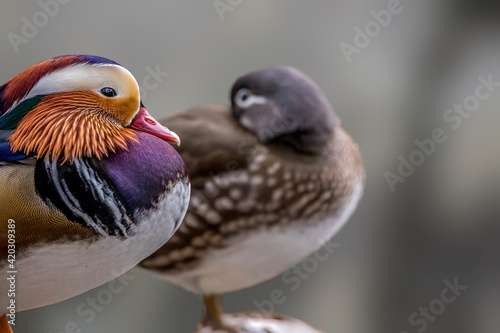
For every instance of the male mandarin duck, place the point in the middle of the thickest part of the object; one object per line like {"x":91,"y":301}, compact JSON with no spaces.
{"x":274,"y":177}
{"x":88,"y":179}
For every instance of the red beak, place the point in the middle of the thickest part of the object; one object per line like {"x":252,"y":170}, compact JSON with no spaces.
{"x":143,"y":122}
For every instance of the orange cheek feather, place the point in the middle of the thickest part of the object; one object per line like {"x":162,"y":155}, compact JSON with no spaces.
{"x":72,"y":125}
{"x":124,"y":108}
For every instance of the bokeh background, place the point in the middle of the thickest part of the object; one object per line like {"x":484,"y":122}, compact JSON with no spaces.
{"x":441,"y":223}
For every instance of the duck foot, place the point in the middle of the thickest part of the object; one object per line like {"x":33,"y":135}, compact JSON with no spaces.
{"x":255,"y":322}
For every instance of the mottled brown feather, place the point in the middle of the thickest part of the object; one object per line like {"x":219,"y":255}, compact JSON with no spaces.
{"x":238,"y":183}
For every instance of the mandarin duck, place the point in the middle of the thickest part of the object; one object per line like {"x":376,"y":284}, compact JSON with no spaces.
{"x":90,"y":184}
{"x":274,"y":177}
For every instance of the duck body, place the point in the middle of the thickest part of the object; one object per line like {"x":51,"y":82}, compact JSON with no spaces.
{"x":274,"y":177}
{"x":259,"y":210}
{"x":87,"y":176}
{"x":100,"y":224}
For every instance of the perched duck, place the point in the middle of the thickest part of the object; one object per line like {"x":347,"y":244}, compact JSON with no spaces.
{"x":274,"y":177}
{"x":89,"y":181}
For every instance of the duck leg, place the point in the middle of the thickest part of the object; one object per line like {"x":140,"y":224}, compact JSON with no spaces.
{"x":217,"y":320}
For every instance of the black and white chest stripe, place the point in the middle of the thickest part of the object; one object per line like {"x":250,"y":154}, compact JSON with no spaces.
{"x":84,"y":195}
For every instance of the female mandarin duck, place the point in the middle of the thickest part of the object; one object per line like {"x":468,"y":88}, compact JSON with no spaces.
{"x":89,"y":181}
{"x":274,"y":177}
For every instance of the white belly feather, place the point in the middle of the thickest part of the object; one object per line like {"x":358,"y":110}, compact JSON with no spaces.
{"x":51,"y":273}
{"x":260,"y":255}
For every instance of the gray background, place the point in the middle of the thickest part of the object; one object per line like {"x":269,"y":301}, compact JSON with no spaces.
{"x":399,"y":247}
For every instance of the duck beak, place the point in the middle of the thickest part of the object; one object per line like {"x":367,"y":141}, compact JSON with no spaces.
{"x":143,"y":122}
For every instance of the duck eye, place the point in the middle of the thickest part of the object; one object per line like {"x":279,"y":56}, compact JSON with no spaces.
{"x":108,"y":92}
{"x":244,"y":98}
{"x":242,"y":95}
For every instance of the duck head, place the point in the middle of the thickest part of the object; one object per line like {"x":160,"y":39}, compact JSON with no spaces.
{"x":75,"y":106}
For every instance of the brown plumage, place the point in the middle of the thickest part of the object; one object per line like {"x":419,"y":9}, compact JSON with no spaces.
{"x":273,"y":177}
{"x":229,"y":166}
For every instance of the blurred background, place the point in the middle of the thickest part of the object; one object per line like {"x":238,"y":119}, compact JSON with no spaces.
{"x":421,"y":252}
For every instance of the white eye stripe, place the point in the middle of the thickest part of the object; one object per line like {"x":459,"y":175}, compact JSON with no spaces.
{"x":244,"y":98}
{"x":79,"y":77}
